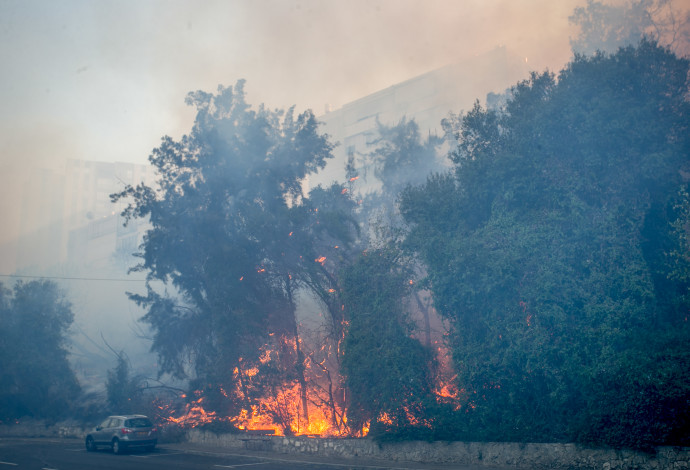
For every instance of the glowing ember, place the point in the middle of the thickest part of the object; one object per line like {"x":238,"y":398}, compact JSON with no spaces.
{"x":265,"y":394}
{"x":384,"y":418}
{"x":193,"y":416}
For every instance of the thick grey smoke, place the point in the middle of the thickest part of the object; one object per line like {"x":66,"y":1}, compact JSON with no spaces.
{"x":105,"y":80}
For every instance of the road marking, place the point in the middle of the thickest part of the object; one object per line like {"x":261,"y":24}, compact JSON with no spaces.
{"x":156,"y":455}
{"x":241,"y":465}
{"x":9,"y":463}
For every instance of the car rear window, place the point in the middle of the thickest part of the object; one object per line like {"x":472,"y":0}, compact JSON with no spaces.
{"x":138,"y":423}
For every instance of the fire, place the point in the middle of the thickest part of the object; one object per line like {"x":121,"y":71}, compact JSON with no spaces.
{"x":194,"y":414}
{"x":384,"y":418}
{"x":270,"y":407}
{"x":321,"y":259}
{"x":344,"y":191}
{"x":292,"y":386}
{"x":354,"y":178}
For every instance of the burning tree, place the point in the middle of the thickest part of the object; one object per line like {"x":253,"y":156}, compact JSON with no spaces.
{"x":389,"y":373}
{"x":233,"y":242}
{"x":548,"y":249}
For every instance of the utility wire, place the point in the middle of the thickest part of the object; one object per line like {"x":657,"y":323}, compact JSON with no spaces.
{"x":72,"y":278}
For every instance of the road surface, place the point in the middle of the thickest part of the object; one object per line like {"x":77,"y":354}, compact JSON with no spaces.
{"x":70,"y":454}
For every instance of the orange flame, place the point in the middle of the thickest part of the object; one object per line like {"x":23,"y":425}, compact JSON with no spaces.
{"x":279,"y":408}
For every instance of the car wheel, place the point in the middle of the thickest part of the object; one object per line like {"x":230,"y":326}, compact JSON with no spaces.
{"x":90,"y":444}
{"x":117,"y":447}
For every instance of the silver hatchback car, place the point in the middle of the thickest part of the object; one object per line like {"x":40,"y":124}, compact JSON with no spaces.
{"x":123,"y":432}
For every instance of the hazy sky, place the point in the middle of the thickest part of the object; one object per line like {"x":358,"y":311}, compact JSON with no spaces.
{"x":104,"y":80}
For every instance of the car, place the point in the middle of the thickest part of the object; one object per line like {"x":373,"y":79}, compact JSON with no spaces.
{"x":122,"y":432}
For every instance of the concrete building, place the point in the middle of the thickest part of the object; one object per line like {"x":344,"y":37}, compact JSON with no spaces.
{"x":67,"y":201}
{"x":427,"y":99}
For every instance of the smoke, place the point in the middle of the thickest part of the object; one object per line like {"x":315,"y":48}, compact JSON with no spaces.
{"x":105,"y":80}
{"x":335,"y":52}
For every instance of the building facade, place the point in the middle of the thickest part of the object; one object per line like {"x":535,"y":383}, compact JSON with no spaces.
{"x":427,"y":99}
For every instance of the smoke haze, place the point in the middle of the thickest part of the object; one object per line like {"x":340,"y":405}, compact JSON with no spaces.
{"x":104,"y":81}
{"x":115,"y":72}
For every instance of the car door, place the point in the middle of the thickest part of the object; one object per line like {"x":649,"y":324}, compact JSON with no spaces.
{"x":113,"y":427}
{"x":100,"y":434}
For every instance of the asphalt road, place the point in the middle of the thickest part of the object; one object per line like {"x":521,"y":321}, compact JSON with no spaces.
{"x":70,"y":454}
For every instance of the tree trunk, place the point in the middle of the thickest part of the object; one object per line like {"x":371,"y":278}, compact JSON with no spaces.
{"x":300,"y":363}
{"x":427,"y":323}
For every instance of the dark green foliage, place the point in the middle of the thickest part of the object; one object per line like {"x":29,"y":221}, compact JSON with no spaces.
{"x":35,"y":379}
{"x":217,"y":219}
{"x":400,"y":157}
{"x":547,"y":249}
{"x":122,"y":389}
{"x":233,"y":239}
{"x":642,"y":399}
{"x":388,"y":373}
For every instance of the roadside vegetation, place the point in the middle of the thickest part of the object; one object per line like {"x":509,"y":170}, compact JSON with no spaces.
{"x":553,"y":245}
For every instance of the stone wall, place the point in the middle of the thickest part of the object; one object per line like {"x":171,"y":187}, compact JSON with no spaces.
{"x":37,"y":428}
{"x":532,"y":456}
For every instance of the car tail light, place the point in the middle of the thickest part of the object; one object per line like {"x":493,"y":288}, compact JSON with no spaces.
{"x":125,"y":431}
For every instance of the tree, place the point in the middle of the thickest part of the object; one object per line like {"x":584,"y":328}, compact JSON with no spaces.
{"x":120,"y":387}
{"x":233,"y":239}
{"x":604,"y":27}
{"x":401,"y":157}
{"x":388,"y":374}
{"x":36,"y":379}
{"x":546,"y":248}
